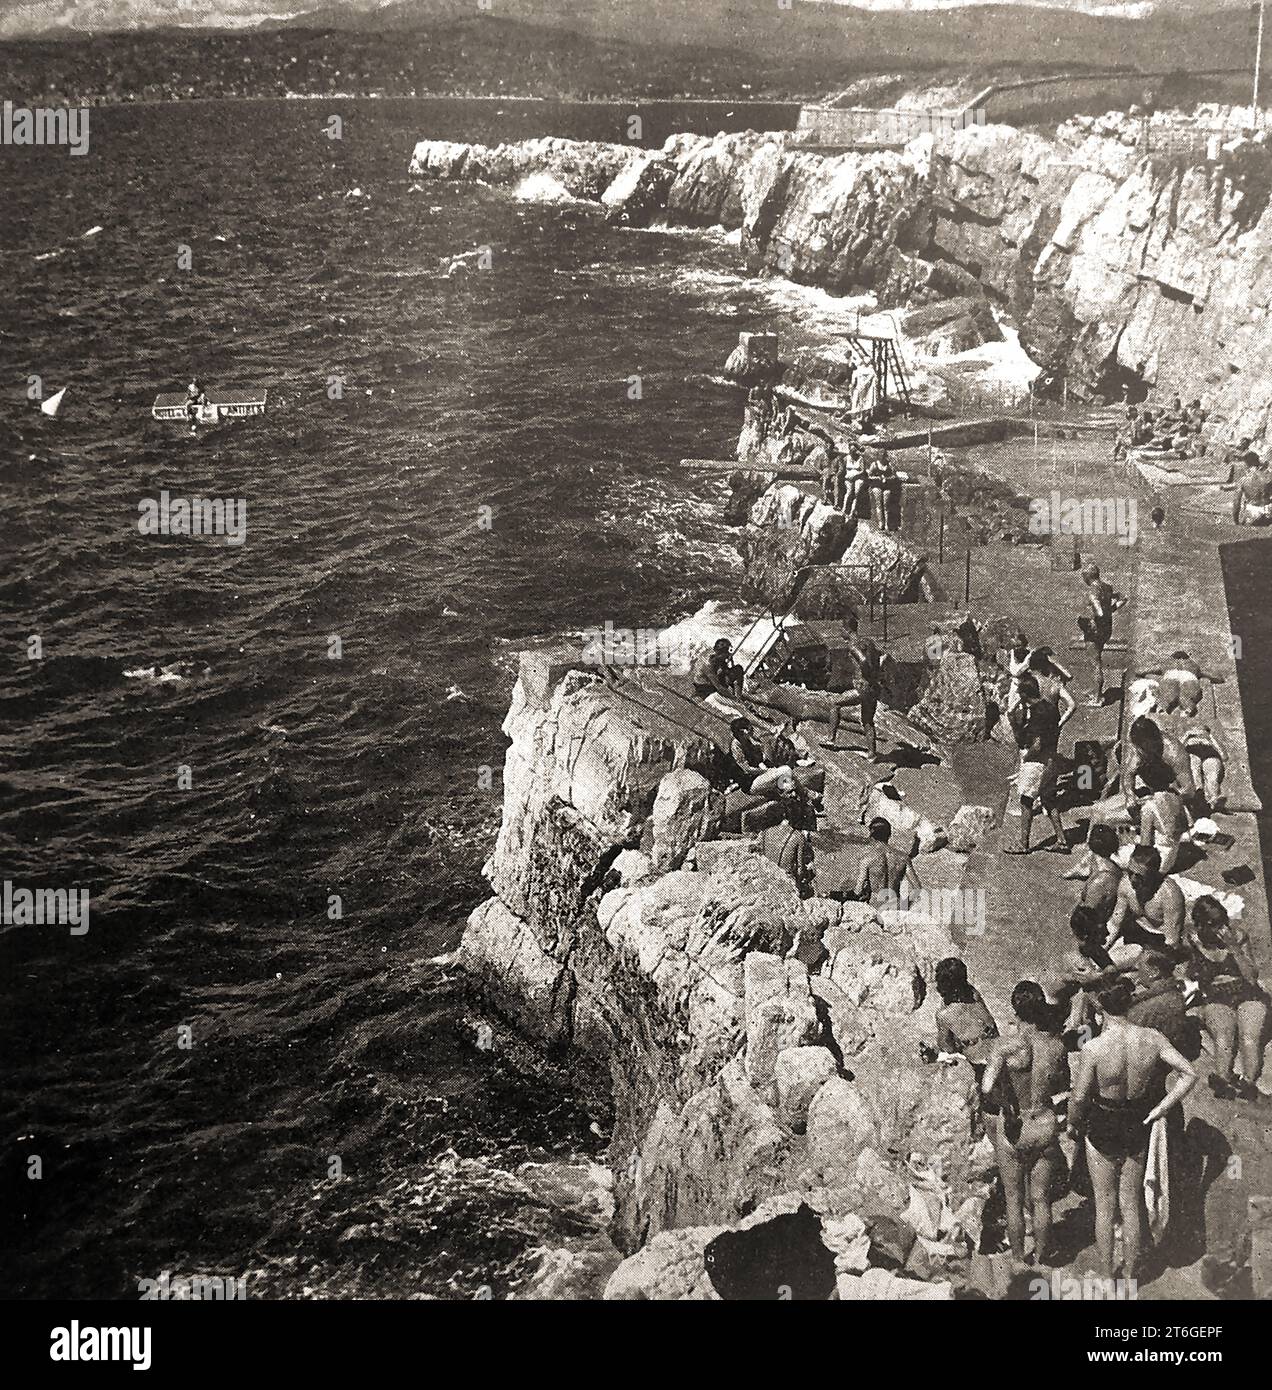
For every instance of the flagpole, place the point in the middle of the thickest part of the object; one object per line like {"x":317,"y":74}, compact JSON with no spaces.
{"x":1258,"y":64}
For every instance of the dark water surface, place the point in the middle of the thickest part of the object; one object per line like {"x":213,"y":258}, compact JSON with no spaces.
{"x":315,"y":1036}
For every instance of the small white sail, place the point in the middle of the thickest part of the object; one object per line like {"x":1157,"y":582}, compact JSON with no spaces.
{"x":50,"y":406}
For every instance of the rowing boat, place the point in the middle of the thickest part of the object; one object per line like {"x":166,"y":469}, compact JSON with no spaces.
{"x":231,"y":404}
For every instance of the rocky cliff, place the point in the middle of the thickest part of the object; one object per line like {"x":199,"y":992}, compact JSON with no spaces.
{"x":1115,"y":268}
{"x":763,"y":1050}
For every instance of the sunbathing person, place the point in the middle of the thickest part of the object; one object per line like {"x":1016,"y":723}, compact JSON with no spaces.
{"x":1155,"y":761}
{"x":1234,"y":1007}
{"x":1149,"y":911}
{"x":1113,"y":1107}
{"x":1163,"y":821}
{"x":1029,"y":1072}
{"x":1207,"y":755}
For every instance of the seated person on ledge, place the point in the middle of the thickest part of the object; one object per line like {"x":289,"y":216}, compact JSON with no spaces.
{"x":1149,"y":911}
{"x":715,"y":672}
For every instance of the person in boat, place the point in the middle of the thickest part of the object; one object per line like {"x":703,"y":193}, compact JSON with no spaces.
{"x":1029,"y":1072}
{"x":1118,"y":1094}
{"x":196,"y":399}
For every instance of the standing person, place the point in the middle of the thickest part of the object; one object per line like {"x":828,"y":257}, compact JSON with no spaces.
{"x":1018,"y":655}
{"x":867,"y":663}
{"x":1113,"y":1109}
{"x":1096,"y":622}
{"x":1036,"y":725}
{"x":1234,"y":1007}
{"x":1033,"y":1068}
{"x":1052,"y":681}
{"x":1252,"y":501}
{"x":787,"y":845}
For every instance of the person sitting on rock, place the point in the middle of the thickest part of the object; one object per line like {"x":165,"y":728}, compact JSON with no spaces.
{"x":885,"y":875}
{"x":1234,"y":1007}
{"x":1100,"y":870}
{"x":1163,"y":821}
{"x":1149,"y":911}
{"x":715,"y":673}
{"x":746,"y":757}
{"x":964,"y":1026}
{"x":787,"y":843}
{"x":1155,"y":761}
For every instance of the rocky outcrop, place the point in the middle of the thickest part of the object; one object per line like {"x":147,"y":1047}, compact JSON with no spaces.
{"x":1114,"y":267}
{"x":746,"y":1084}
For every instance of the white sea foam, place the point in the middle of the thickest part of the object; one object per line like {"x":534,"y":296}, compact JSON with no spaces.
{"x":543,"y":188}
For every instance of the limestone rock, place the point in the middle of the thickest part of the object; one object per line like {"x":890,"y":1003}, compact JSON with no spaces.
{"x":684,"y":813}
{"x":779,"y":1013}
{"x":799,"y":1073}
{"x":970,"y":827}
{"x":670,"y":1267}
{"x":840,"y":1127}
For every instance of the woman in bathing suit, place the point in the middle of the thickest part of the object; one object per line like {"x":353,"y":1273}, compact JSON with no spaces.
{"x":963,"y":1023}
{"x":1234,"y":1007}
{"x":1030,"y":1070}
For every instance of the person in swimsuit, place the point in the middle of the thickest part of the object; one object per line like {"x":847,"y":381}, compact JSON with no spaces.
{"x":1234,"y":1007}
{"x":964,"y":1026}
{"x":1032,"y":1066}
{"x":1051,"y":678}
{"x":1252,"y":501}
{"x":1155,"y":761}
{"x":715,"y":673}
{"x":1036,"y":725}
{"x":1117,"y":1095}
{"x":867,"y":682}
{"x":885,"y":874}
{"x":1207,"y":755}
{"x":1101,"y":872}
{"x":1163,"y":821}
{"x":1018,"y":655}
{"x":787,"y":845}
{"x":1149,"y":910}
{"x":1096,"y":623}
{"x":746,"y":756}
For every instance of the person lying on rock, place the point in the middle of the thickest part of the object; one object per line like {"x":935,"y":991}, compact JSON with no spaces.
{"x":1207,"y":755}
{"x":1149,"y":911}
{"x":885,"y":875}
{"x":1029,"y":1071}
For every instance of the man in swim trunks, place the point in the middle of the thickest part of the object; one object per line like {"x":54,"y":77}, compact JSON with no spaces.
{"x":715,"y":672}
{"x":1029,"y":1071}
{"x":867,"y":663}
{"x":196,"y":399}
{"x":1149,"y":910}
{"x":885,"y":874}
{"x":801,"y":704}
{"x":1096,"y":622}
{"x":1114,"y":1104}
{"x":1252,"y":502}
{"x":1036,"y":725}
